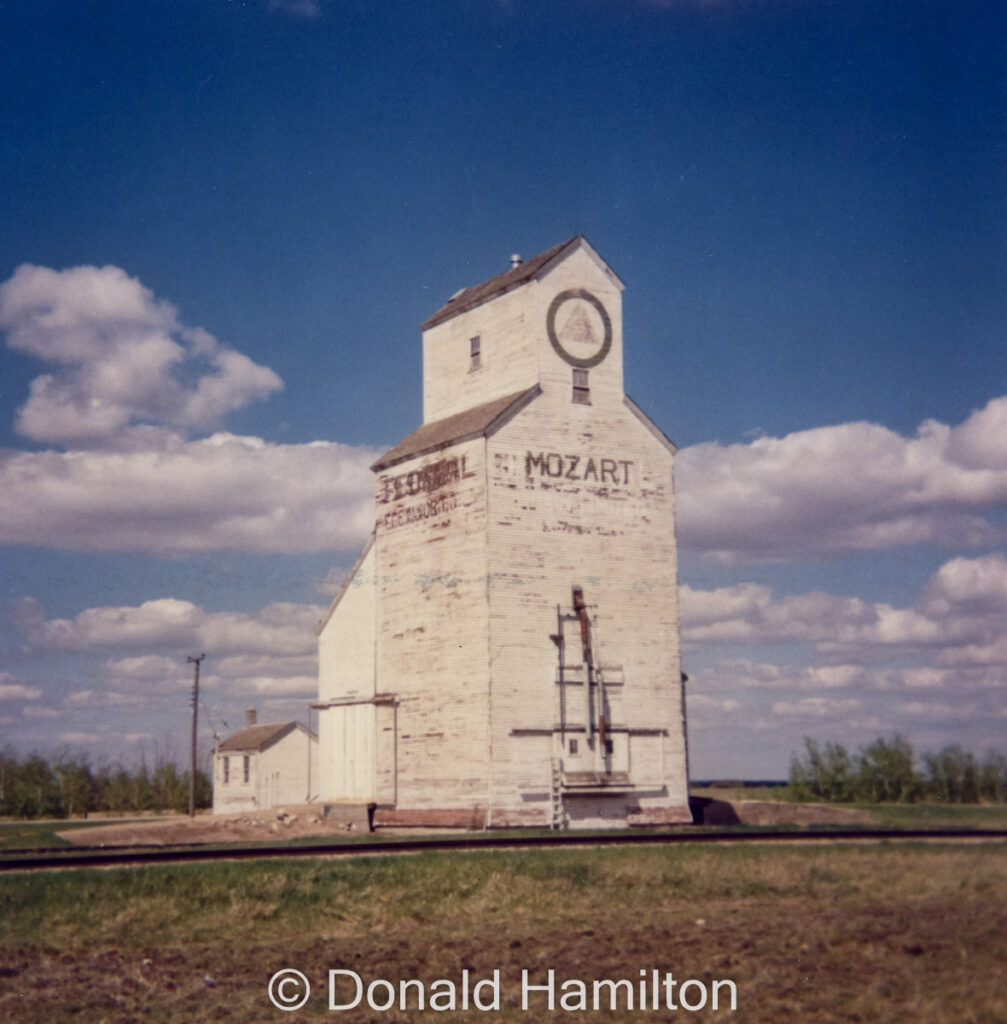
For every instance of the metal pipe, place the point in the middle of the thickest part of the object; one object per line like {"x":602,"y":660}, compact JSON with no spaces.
{"x":580,"y":607}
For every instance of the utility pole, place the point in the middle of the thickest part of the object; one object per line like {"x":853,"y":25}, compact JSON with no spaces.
{"x":195,"y":710}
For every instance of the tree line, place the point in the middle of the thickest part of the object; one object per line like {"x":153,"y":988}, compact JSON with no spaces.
{"x":66,"y":785}
{"x":885,"y":771}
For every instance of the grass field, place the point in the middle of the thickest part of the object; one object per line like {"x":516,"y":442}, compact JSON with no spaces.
{"x":32,"y":835}
{"x":912,"y":933}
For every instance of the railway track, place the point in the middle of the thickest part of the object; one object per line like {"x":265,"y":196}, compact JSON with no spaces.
{"x":81,"y":857}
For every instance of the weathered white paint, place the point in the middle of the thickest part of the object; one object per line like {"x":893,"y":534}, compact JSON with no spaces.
{"x":436,"y":663}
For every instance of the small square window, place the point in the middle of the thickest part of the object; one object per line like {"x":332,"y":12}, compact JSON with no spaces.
{"x":581,"y":388}
{"x":573,"y":746}
{"x":475,"y":353}
{"x":609,"y":747}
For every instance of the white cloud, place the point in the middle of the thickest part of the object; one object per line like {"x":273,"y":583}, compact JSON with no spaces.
{"x":936,"y":709}
{"x":84,"y":737}
{"x":12,"y":690}
{"x":84,"y":699}
{"x":937,"y":669}
{"x":749,"y":612}
{"x":968,"y":586}
{"x":736,"y":675}
{"x":125,"y":367}
{"x":815,"y":707}
{"x":852,"y":487}
{"x":281,"y":628}
{"x":221,"y":493}
{"x":128,"y":381}
{"x":147,"y":670}
{"x":242,"y":666}
{"x":705,"y":703}
{"x":306,"y":686}
{"x":957,"y":621}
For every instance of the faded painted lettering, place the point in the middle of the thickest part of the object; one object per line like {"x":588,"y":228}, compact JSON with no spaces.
{"x":416,"y":513}
{"x":577,"y":467}
{"x":424,"y":480}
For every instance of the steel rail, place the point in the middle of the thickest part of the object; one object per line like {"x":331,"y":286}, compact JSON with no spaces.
{"x":125,"y":857}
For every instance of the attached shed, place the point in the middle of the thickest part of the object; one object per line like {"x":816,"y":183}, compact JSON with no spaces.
{"x":264,"y":766}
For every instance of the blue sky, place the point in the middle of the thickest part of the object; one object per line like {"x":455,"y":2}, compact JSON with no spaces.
{"x":238,"y":213}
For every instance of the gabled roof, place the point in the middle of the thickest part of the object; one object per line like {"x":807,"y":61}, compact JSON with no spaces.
{"x":478,"y":421}
{"x":469,"y":298}
{"x":259,"y":737}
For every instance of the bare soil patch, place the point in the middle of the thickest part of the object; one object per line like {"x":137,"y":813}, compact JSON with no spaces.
{"x":278,"y":823}
{"x":309,"y":820}
{"x":771,"y":812}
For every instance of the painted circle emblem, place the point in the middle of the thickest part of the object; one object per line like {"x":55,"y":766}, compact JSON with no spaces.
{"x":579,"y":328}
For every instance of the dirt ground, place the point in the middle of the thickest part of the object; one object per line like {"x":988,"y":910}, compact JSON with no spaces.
{"x":793,"y":959}
{"x":307,"y":820}
{"x":769,"y":812}
{"x":279,"y":823}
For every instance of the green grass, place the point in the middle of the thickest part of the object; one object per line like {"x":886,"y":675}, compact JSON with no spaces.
{"x":30,"y":835}
{"x":895,"y":933}
{"x":193,"y":902}
{"x":938,"y":815}
{"x":908,"y":816}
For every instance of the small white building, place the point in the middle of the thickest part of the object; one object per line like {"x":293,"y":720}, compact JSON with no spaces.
{"x":506,"y":651}
{"x":263,"y":766}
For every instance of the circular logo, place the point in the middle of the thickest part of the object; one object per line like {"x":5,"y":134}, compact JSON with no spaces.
{"x":579,"y":328}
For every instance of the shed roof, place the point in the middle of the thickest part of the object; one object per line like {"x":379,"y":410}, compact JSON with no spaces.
{"x":259,"y":737}
{"x":475,"y":422}
{"x":345,"y":585}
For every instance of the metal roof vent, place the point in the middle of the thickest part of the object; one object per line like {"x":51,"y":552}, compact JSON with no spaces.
{"x":515,"y":261}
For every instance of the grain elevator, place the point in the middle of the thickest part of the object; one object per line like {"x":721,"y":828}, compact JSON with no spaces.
{"x":505,"y":651}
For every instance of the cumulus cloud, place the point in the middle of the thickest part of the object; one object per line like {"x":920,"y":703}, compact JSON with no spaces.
{"x":223,"y":492}
{"x":853,"y":487}
{"x":282,"y":628}
{"x":125,"y":368}
{"x":849,"y":669}
{"x":738,"y":675}
{"x":17,"y":691}
{"x":129,"y":382}
{"x":750,"y":612}
{"x":132,"y":661}
{"x":958,"y":619}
